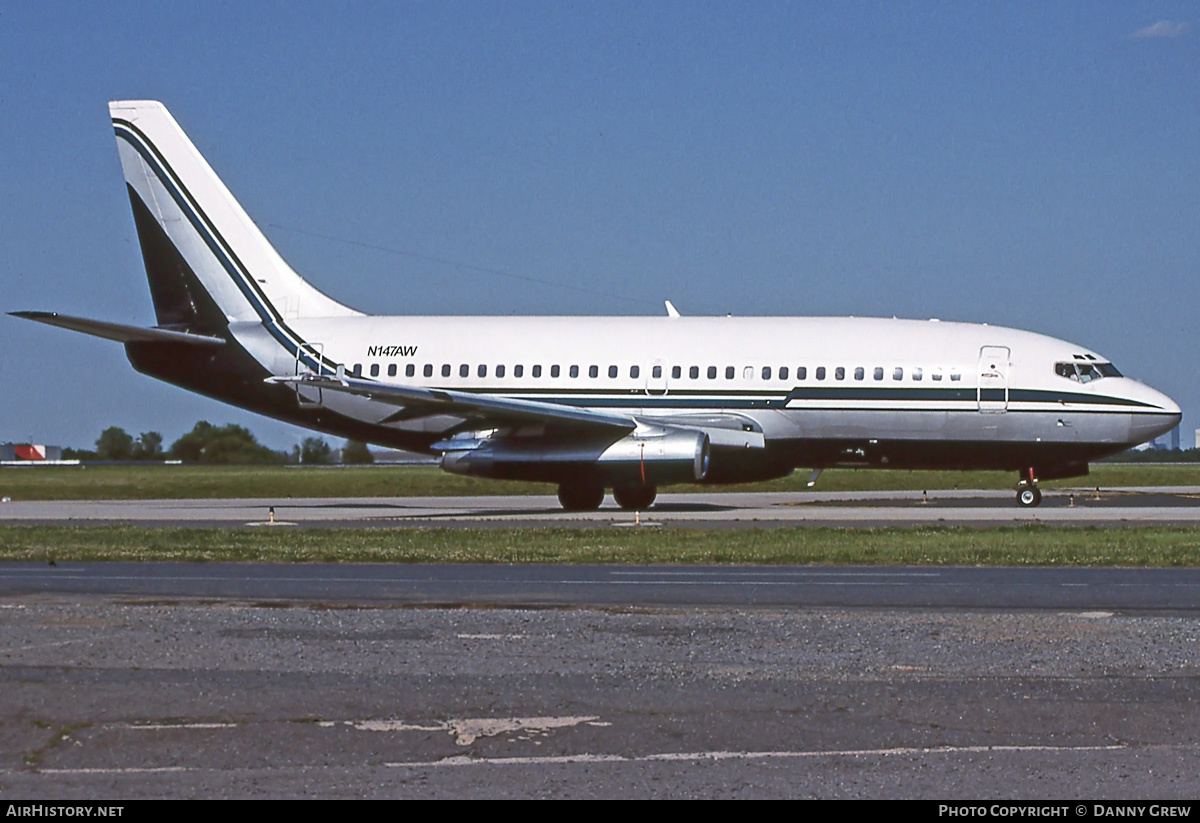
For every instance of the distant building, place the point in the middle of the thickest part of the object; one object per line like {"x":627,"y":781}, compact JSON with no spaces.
{"x":1164,"y":442}
{"x":27,"y":451}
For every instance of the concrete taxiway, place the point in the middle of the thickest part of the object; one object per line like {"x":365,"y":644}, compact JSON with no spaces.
{"x":1079,"y":507}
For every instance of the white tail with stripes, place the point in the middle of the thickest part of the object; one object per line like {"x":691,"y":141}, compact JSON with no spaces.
{"x":196,"y":237}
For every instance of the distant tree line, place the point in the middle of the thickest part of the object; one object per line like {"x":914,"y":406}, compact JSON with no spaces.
{"x":218,"y":445}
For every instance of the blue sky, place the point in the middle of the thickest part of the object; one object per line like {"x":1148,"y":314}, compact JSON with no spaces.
{"x":1034,"y":165}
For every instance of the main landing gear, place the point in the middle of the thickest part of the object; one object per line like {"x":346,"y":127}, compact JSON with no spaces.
{"x":635,"y":498}
{"x":1028,"y":493}
{"x":580,"y":496}
{"x":586,"y":496}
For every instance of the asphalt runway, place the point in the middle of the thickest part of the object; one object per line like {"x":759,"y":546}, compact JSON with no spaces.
{"x":237,"y":680}
{"x":463,"y":585}
{"x":1079,"y":507}
{"x":138,"y":696}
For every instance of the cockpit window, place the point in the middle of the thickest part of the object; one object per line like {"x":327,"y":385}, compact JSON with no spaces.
{"x":1085,"y":372}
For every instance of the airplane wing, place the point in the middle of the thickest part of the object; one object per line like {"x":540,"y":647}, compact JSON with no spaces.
{"x":723,"y":429}
{"x":117,"y":331}
{"x":506,"y":410}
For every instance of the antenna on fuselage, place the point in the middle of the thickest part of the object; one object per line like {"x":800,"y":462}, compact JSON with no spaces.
{"x":671,"y":310}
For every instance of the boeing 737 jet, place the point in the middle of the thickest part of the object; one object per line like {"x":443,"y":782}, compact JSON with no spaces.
{"x":589,"y":403}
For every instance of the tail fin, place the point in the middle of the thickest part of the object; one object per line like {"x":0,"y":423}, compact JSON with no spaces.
{"x":207,"y":263}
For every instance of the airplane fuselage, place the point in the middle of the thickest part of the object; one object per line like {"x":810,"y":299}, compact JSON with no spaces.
{"x":822,"y":391}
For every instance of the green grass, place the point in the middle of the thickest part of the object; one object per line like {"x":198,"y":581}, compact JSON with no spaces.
{"x":132,"y":482}
{"x":1015,"y":546}
{"x":192,"y":481}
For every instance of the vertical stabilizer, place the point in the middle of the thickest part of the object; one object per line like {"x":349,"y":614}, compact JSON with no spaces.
{"x":207,"y":263}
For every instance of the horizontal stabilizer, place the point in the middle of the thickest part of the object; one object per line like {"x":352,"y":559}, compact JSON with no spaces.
{"x":118,"y":331}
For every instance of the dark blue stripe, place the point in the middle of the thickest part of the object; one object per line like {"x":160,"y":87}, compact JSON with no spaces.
{"x":220,"y":248}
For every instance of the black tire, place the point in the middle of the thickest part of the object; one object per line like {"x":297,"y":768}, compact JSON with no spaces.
{"x":1028,"y":496}
{"x":635,"y":498}
{"x":580,"y":497}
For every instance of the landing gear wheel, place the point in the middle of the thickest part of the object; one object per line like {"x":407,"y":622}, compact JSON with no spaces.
{"x":580,"y":497}
{"x":635,"y":497}
{"x":1029,"y":496}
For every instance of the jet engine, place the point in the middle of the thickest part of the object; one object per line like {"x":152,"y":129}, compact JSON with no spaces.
{"x":655,"y":456}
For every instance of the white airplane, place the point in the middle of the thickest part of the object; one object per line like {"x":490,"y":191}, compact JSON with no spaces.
{"x":628,"y":403}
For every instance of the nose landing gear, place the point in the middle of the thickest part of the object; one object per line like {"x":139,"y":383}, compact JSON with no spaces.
{"x":1028,"y":493}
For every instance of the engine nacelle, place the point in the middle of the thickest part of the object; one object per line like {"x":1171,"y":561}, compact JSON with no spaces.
{"x":659,"y":456}
{"x":673,"y":457}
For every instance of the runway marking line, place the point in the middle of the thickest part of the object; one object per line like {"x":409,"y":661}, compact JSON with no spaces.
{"x":688,"y":757}
{"x":41,"y":646}
{"x":158,"y":727}
{"x":663,"y":757}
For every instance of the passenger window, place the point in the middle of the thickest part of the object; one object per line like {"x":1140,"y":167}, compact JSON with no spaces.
{"x":860,"y":373}
{"x":676,"y":372}
{"x":712,"y":372}
{"x":518,"y":371}
{"x":482,"y":370}
{"x":391,"y":369}
{"x":554,"y":370}
{"x":820,"y":372}
{"x":766,"y":373}
{"x":729,"y":372}
{"x":612,"y":371}
{"x":802,"y":372}
{"x":694,"y":372}
{"x":898,"y":374}
{"x":357,"y":371}
{"x":748,"y":373}
{"x":464,"y":370}
{"x":410,"y":370}
{"x":656,"y":372}
{"x":937,"y":374}
{"x":783,"y":372}
{"x":574,"y":372}
{"x":878,"y":373}
{"x":445,"y":370}
{"x":374,"y":369}
{"x":955,"y":377}
{"x":428,"y":370}
{"x":917,"y":374}
{"x":537,"y":371}
{"x":839,"y":373}
{"x":634,"y":371}
{"x":593,"y":371}
{"x":500,"y":371}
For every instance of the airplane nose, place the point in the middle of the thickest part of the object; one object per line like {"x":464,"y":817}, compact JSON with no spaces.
{"x":1144,"y":427}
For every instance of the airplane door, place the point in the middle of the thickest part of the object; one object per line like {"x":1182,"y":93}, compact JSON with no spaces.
{"x":992,"y":393}
{"x":656,"y":378}
{"x":309,"y":355}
